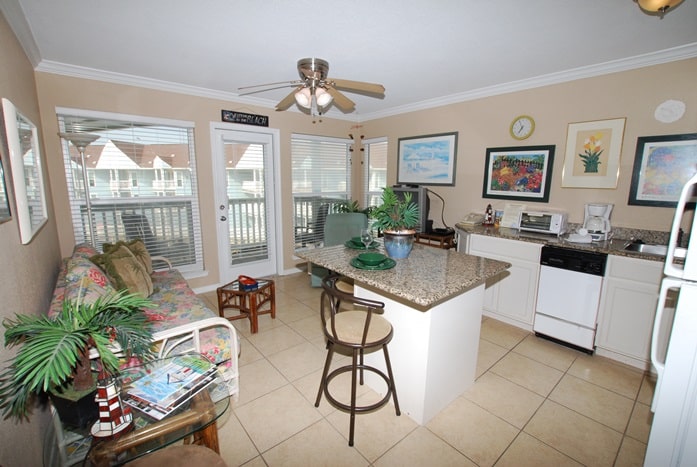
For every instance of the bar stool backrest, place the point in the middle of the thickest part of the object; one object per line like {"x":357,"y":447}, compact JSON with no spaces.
{"x":331,"y":300}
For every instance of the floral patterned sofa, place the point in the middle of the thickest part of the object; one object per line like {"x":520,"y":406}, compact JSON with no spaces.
{"x":181,"y":320}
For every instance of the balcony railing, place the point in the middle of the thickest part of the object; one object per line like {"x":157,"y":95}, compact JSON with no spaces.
{"x":309,"y":216}
{"x":167,"y":227}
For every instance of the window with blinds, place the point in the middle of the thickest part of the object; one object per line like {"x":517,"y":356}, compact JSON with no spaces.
{"x":374,"y":170}
{"x":321,"y":181}
{"x":137,"y":180}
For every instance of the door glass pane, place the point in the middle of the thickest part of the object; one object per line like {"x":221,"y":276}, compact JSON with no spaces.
{"x":244,"y":167}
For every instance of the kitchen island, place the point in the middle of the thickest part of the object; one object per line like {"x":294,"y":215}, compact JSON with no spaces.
{"x":434,"y":301}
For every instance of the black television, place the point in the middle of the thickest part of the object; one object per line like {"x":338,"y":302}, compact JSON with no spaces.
{"x":419,"y":196}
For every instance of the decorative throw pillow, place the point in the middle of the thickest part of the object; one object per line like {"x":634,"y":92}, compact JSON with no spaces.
{"x":125,"y":270}
{"x":138,"y":249}
{"x":85,"y":281}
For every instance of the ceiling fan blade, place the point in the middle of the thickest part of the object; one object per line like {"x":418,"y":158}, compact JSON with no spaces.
{"x":341,"y":101}
{"x":280,"y":83}
{"x":288,"y":100}
{"x":349,"y":85}
{"x":255,"y":91}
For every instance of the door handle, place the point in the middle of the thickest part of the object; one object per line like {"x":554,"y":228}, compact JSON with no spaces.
{"x":223,"y":218}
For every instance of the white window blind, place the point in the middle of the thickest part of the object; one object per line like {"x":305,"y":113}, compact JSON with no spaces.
{"x":141,"y":184}
{"x":321,"y":181}
{"x":374,"y":170}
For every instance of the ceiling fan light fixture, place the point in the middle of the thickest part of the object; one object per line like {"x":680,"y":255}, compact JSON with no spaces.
{"x":657,"y":7}
{"x":304,"y":98}
{"x":323,"y":97}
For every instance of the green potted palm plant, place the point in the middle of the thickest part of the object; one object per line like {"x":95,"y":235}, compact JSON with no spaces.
{"x":54,"y":354}
{"x":396,"y":218}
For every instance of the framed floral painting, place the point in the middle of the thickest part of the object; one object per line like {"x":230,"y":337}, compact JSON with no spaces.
{"x":520,"y":173}
{"x":662,"y":165}
{"x":593,"y":151}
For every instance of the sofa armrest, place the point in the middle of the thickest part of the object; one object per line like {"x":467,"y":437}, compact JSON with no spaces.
{"x":161,"y":259}
{"x":189,"y":335}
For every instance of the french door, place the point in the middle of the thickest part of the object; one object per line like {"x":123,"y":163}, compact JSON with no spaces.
{"x":243,"y":174}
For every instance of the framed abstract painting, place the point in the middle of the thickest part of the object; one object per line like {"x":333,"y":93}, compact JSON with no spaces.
{"x":662,"y":165}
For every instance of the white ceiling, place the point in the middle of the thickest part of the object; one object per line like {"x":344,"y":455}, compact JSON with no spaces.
{"x":425,"y":53}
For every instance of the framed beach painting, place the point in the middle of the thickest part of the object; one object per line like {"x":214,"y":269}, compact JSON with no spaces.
{"x":662,"y":165}
{"x":593,"y":154}
{"x":427,"y":160}
{"x":520,"y":173}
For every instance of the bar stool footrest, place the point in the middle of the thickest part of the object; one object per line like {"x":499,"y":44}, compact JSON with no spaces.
{"x":359,"y":409}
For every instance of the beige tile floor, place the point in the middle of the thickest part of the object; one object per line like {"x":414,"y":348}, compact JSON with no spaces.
{"x":534,"y":403}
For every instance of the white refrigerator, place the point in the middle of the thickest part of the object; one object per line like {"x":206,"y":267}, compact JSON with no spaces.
{"x":673,"y":437}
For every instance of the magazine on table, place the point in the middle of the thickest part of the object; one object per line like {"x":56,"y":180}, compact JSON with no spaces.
{"x":168,"y":387}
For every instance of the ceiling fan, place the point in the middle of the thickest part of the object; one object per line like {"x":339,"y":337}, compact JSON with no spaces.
{"x":314,"y":87}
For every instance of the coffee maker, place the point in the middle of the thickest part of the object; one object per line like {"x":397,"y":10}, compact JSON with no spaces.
{"x":597,"y":220}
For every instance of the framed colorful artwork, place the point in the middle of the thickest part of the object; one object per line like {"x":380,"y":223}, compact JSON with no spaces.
{"x":427,"y":160}
{"x":593,"y":151}
{"x":662,"y":165}
{"x":520,"y":173}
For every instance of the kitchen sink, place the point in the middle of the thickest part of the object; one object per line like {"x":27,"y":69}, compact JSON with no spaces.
{"x":647,"y":248}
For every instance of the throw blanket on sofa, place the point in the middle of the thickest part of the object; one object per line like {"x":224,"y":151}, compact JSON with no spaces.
{"x":176,"y":305}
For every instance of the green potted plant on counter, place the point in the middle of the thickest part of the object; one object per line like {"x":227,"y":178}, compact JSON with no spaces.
{"x":396,"y":218}
{"x":54,"y":354}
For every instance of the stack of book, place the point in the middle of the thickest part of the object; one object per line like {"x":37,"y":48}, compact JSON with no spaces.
{"x":161,"y":392}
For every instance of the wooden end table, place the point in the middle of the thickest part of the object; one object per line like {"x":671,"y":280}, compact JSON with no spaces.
{"x":249,"y":303}
{"x":444,"y":241}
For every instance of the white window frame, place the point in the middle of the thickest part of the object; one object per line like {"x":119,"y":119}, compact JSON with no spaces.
{"x":189,"y":270}
{"x":302,"y":217}
{"x":368,"y":173}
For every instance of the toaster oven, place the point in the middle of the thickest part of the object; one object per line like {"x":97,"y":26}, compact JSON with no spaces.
{"x":547,"y":222}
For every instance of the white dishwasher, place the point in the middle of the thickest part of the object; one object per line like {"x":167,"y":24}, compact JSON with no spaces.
{"x":568,"y":295}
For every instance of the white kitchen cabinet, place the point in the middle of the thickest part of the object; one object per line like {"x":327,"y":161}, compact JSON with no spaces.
{"x":627,"y":309}
{"x":510,"y":296}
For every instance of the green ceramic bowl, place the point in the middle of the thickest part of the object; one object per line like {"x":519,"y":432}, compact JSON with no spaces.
{"x":371,"y":259}
{"x":356,"y":241}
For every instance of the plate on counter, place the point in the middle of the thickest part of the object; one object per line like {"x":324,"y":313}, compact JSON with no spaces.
{"x":389,"y":263}
{"x":578,"y":238}
{"x":360,"y":246}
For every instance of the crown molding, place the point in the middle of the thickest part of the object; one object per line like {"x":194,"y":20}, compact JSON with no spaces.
{"x":14,"y":16}
{"x":674,"y":54}
{"x":640,"y":61}
{"x":74,"y":71}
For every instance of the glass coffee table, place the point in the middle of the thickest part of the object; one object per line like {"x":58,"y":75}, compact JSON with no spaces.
{"x":194,"y":422}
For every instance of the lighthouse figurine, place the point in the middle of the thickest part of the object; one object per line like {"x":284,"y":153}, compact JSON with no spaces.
{"x":115,"y":419}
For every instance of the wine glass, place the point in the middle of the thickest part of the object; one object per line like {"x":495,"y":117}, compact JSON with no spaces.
{"x":366,"y":237}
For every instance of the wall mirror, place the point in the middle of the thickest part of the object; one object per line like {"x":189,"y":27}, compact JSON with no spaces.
{"x":27,"y":176}
{"x":5,"y":214}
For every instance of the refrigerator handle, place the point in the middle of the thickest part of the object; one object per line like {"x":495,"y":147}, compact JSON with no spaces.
{"x":673,"y":249}
{"x":666,"y":284}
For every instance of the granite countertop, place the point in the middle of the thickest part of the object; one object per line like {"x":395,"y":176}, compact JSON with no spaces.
{"x":614,"y":246}
{"x":427,"y":277}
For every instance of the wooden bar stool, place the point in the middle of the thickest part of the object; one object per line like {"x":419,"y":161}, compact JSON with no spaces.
{"x":356,"y":329}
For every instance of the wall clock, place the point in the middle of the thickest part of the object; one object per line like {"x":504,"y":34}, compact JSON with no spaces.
{"x":522,"y":127}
